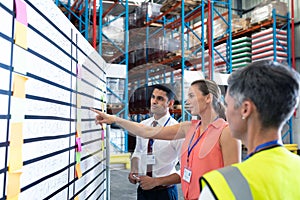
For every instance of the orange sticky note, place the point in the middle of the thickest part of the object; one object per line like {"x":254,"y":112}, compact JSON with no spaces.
{"x":21,"y":35}
{"x":19,"y":86}
{"x":78,"y":171}
{"x":13,"y":185}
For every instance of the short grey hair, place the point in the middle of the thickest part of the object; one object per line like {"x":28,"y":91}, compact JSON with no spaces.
{"x":274,"y":88}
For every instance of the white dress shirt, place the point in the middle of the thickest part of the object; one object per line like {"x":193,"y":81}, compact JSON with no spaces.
{"x":166,"y":152}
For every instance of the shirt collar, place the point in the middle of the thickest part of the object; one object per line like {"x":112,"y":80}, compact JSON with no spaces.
{"x":163,"y":119}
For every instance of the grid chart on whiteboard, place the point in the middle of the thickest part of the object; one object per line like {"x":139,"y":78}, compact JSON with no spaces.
{"x":50,"y":77}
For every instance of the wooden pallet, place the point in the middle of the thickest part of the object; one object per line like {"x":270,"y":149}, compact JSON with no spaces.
{"x":278,"y":20}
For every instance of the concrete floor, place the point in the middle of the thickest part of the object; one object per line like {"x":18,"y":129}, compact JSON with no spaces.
{"x":120,"y":188}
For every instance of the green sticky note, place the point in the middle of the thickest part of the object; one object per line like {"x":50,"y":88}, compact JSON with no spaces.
{"x":78,"y":157}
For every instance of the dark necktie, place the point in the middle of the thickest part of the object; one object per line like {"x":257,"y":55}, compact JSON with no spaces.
{"x":149,"y":150}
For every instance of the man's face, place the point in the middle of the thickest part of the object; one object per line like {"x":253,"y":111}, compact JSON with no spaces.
{"x":234,"y":118}
{"x":159,"y":102}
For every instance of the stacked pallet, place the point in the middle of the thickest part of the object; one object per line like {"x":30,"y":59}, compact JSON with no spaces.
{"x":189,"y":5}
{"x":220,"y":55}
{"x":263,"y":45}
{"x":241,"y":52}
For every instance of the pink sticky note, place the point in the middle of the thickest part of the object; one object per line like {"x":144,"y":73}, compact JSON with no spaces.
{"x":21,"y":12}
{"x":102,"y":134}
{"x":78,"y":145}
{"x":79,"y":71}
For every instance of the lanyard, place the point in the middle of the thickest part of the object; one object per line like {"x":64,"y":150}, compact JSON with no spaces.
{"x":260,"y":147}
{"x":151,"y":140}
{"x":190,"y":148}
{"x":167,"y":121}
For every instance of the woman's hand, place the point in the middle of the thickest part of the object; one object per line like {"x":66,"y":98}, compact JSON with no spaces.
{"x":103,"y":117}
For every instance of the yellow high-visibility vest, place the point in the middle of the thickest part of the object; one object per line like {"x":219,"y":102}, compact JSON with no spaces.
{"x":269,"y":174}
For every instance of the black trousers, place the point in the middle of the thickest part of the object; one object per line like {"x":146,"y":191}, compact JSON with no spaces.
{"x":169,"y":193}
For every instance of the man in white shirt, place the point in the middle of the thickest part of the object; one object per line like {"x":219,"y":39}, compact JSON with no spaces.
{"x":155,"y":172}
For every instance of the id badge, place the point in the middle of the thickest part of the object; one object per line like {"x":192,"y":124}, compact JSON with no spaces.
{"x":187,"y":174}
{"x":151,"y":159}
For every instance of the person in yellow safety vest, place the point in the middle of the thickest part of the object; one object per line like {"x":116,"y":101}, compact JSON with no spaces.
{"x":260,"y":99}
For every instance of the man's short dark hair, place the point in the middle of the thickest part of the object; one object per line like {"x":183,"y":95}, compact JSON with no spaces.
{"x":170,"y":93}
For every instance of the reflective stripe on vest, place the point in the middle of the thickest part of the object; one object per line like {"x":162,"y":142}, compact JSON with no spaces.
{"x":237,"y":183}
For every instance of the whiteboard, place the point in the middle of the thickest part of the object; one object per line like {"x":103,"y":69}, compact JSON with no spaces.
{"x":50,"y":111}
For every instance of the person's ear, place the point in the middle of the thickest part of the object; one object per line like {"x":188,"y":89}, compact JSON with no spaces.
{"x":246,"y":109}
{"x":209,"y":98}
{"x":171,"y":103}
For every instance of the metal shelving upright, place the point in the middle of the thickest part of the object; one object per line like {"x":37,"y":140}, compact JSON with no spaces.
{"x":123,"y":53}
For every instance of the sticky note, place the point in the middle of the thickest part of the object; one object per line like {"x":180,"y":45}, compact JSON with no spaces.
{"x":17,"y":109}
{"x":15,"y":159}
{"x":21,"y":35}
{"x":78,"y":100}
{"x":78,"y":157}
{"x":19,"y":85}
{"x":103,"y":106}
{"x":78,"y":129}
{"x":79,"y":71}
{"x":78,"y":145}
{"x":79,"y":85}
{"x":16,"y":134}
{"x":76,"y":198}
{"x":15,"y":147}
{"x":78,"y":171}
{"x":13,"y":185}
{"x":102,"y":145}
{"x":78,"y":133}
{"x":21,"y":12}
{"x":78,"y":115}
{"x":102,"y":134}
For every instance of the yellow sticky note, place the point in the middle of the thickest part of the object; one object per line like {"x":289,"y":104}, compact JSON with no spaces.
{"x":20,"y":34}
{"x":16,"y":134}
{"x":15,"y":147}
{"x":15,"y":159}
{"x":13,"y":185}
{"x":78,"y":129}
{"x":78,"y":133}
{"x":102,"y":142}
{"x":103,"y":106}
{"x":19,"y":86}
{"x":78,"y":171}
{"x":76,"y":198}
{"x":78,"y":115}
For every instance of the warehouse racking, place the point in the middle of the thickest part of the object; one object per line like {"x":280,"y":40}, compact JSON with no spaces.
{"x":179,"y":24}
